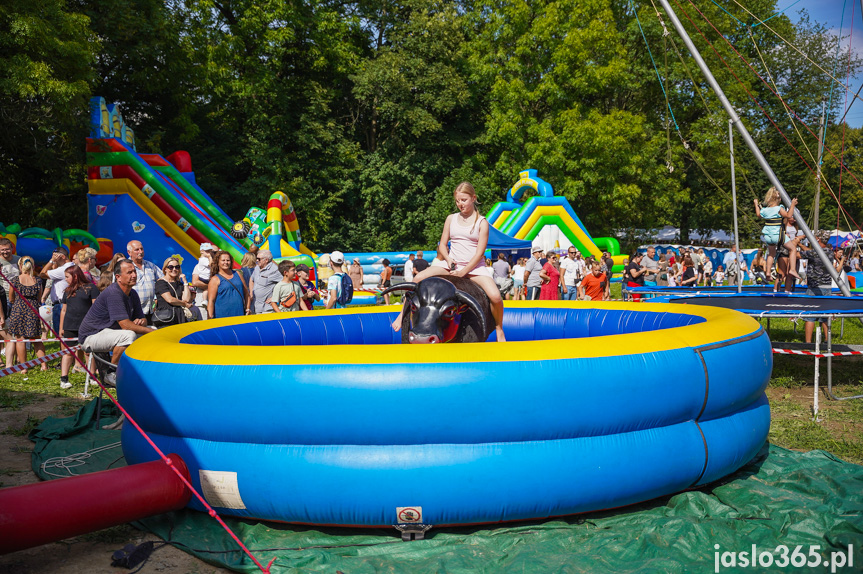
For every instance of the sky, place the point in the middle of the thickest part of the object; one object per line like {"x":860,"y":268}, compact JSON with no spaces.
{"x":829,"y":12}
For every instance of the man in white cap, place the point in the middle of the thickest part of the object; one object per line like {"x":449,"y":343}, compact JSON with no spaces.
{"x":201,"y":277}
{"x":532,"y":280}
{"x":334,"y":283}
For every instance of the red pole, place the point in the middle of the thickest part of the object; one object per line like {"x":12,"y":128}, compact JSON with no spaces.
{"x":35,"y":514}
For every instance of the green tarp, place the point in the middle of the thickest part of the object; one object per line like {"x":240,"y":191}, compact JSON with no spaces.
{"x":780,"y":498}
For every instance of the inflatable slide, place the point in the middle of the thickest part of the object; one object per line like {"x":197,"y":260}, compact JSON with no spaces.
{"x":546,"y":219}
{"x":156,"y":200}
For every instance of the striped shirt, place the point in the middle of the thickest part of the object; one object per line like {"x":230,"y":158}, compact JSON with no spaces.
{"x":148,"y":274}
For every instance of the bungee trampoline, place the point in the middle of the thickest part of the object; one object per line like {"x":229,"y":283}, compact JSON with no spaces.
{"x":769,"y":303}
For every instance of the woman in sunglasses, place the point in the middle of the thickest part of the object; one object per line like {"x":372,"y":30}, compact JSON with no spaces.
{"x":173,"y":295}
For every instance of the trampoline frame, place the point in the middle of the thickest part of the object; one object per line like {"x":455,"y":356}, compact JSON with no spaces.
{"x":830,"y":317}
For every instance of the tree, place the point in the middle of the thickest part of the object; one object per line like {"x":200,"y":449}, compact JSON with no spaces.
{"x":46,"y":57}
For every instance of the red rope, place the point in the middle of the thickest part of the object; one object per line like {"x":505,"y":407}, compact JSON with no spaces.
{"x":133,"y":422}
{"x":763,"y":111}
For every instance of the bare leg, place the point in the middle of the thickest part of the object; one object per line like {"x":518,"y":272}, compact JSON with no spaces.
{"x":428,"y":272}
{"x":10,"y":353}
{"x":66,"y":364}
{"x":490,"y":287}
{"x":115,"y":356}
{"x":40,"y":352}
{"x":21,"y":351}
{"x":771,"y":257}
{"x":792,"y":260}
{"x":781,"y":271}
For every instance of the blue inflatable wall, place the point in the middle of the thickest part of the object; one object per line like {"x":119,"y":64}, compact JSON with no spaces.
{"x":323,"y":418}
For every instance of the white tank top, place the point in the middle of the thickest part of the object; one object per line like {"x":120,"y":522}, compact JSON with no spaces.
{"x":463,"y":241}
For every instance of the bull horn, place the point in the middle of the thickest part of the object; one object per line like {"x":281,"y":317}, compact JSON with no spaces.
{"x":400,"y":287}
{"x":473,"y":304}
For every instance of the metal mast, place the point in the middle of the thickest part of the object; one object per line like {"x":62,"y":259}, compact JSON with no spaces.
{"x":734,"y":203}
{"x":822,"y":134}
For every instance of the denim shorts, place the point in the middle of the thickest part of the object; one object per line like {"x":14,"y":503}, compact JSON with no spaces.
{"x":820,"y":291}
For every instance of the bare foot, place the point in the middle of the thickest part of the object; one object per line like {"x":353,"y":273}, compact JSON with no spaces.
{"x":500,"y":336}
{"x":397,"y":324}
{"x":793,"y":273}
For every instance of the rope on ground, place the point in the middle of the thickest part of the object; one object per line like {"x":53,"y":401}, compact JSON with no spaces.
{"x":67,"y":463}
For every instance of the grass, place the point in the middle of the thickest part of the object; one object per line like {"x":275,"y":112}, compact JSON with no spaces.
{"x":839,"y":429}
{"x":16,"y":401}
{"x":23,"y":430}
{"x":16,"y":392}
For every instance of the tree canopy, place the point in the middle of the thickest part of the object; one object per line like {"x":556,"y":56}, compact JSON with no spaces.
{"x":368,"y":113}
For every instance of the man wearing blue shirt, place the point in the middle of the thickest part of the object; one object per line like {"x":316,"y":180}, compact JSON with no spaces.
{"x":116,"y":319}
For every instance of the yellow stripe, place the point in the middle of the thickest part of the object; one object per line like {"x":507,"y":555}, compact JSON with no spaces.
{"x":721,"y":324}
{"x":501,"y":219}
{"x":568,"y":221}
{"x":125,"y":186}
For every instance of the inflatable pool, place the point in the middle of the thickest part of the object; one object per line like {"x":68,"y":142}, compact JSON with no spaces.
{"x":323,"y":418}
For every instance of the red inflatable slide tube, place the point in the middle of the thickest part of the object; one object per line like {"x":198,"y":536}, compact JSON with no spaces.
{"x":35,"y":514}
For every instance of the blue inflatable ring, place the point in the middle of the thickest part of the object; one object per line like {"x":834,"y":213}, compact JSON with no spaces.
{"x":323,"y":418}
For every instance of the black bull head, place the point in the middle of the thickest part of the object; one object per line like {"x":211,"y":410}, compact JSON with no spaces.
{"x":442,"y":309}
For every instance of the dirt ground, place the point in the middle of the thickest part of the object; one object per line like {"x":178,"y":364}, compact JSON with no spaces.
{"x":91,"y":553}
{"x":86,"y":554}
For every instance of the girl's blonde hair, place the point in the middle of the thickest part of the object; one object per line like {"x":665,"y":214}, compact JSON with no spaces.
{"x":248,"y":260}
{"x":466,"y":187}
{"x":771,"y":196}
{"x":26,"y":265}
{"x":84,"y":255}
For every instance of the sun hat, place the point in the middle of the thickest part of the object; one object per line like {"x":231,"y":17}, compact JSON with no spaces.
{"x":536,"y":248}
{"x":337,"y":257}
{"x":208,"y":247}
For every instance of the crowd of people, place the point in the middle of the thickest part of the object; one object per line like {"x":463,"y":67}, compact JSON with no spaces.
{"x":107,"y":308}
{"x":551,"y":276}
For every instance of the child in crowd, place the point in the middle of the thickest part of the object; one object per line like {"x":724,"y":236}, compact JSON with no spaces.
{"x":286,"y":294}
{"x":467,"y":234}
{"x":772,"y":233}
{"x":719,"y":276}
{"x":310,"y":292}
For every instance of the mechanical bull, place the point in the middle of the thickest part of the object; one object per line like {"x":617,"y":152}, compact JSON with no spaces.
{"x":443,"y":309}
